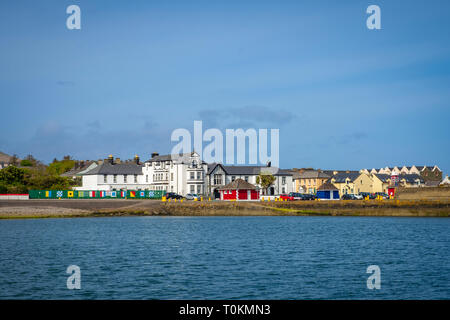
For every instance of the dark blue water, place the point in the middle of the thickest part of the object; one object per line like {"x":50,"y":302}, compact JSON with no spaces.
{"x":225,"y":258}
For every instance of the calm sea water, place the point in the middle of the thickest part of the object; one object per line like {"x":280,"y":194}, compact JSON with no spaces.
{"x":225,"y":257}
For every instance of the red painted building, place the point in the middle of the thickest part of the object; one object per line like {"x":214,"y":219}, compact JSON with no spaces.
{"x":239,"y":190}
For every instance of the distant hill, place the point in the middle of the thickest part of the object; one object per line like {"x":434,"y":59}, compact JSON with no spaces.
{"x":5,"y":158}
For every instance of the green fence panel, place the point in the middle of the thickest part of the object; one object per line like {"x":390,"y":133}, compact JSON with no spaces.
{"x":95,"y":194}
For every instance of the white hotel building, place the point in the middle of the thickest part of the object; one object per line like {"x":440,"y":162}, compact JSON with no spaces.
{"x":180,"y":174}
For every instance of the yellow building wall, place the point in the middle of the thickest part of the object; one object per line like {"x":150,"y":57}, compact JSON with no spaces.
{"x":379,"y":186}
{"x":363,"y":183}
{"x":312,"y":183}
{"x":345,"y":188}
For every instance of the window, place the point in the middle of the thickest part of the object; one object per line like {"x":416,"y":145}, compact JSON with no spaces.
{"x":115,"y":178}
{"x":171,"y":176}
{"x":283,"y":190}
{"x":233,"y":178}
{"x":246,"y":178}
{"x":104,"y":178}
{"x":135,"y":178}
{"x":217,"y":179}
{"x":283,"y":181}
{"x":124,"y":178}
{"x":199,"y":189}
{"x":192,"y":175}
{"x":146,"y":178}
{"x":192,"y":188}
{"x":199,"y":175}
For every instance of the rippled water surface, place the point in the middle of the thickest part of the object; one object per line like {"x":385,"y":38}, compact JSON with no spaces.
{"x":225,"y":257}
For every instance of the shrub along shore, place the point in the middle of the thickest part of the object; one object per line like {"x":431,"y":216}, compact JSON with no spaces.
{"x":20,"y":209}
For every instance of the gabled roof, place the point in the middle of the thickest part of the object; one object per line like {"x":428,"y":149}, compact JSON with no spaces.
{"x":310,"y":174}
{"x":411,"y":178}
{"x":246,"y":170}
{"x":342,"y":177}
{"x":119,"y":168}
{"x":382,"y":177}
{"x":168,"y":157}
{"x":327,"y":186}
{"x":239,"y":184}
{"x":74,"y":172}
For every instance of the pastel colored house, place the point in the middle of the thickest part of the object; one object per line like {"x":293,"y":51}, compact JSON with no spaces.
{"x":309,"y":181}
{"x":239,"y":190}
{"x":327,"y":191}
{"x":372,"y":183}
{"x":411,"y":181}
{"x":344,"y":181}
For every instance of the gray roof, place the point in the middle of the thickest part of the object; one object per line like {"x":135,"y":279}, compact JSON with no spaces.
{"x":169,"y":157}
{"x":311,"y":174}
{"x":119,"y":168}
{"x":246,"y":170}
{"x":239,"y":184}
{"x":75,"y":171}
{"x":341,"y":177}
{"x":411,"y":178}
{"x":327,"y":186}
{"x":383,"y":177}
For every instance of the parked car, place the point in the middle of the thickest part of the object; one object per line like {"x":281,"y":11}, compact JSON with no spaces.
{"x":368,"y":194}
{"x":285,"y":197}
{"x":296,"y":196}
{"x":173,"y":195}
{"x":358,"y":197}
{"x":192,"y":196}
{"x":307,"y":196}
{"x":348,"y":196}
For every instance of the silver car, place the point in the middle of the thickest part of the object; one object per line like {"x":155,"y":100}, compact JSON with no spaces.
{"x":192,"y":196}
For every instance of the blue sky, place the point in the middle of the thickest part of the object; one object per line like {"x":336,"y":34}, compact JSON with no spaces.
{"x":343,"y":96}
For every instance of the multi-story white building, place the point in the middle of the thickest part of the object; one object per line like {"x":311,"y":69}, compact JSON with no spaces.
{"x":113,"y":175}
{"x":181,"y":174}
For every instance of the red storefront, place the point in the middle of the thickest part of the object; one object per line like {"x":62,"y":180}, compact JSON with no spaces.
{"x":239,"y":190}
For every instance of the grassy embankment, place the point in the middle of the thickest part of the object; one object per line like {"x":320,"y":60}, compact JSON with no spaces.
{"x":429,"y":206}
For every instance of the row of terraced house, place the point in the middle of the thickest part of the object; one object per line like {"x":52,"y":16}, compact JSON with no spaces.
{"x":187,"y":173}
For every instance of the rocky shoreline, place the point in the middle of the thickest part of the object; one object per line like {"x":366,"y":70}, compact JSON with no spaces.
{"x":22,"y":209}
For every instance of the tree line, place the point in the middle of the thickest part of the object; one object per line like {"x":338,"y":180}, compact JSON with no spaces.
{"x":31,"y":174}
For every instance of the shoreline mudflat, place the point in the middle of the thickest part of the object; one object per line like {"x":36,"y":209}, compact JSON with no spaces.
{"x":22,"y":209}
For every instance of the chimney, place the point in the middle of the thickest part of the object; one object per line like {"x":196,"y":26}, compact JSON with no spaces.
{"x":136,"y":159}
{"x":155,"y":154}
{"x":111,"y":159}
{"x":117,"y":160}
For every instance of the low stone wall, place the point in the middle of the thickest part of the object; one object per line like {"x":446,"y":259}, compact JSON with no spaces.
{"x":423,"y":193}
{"x":14,"y":197}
